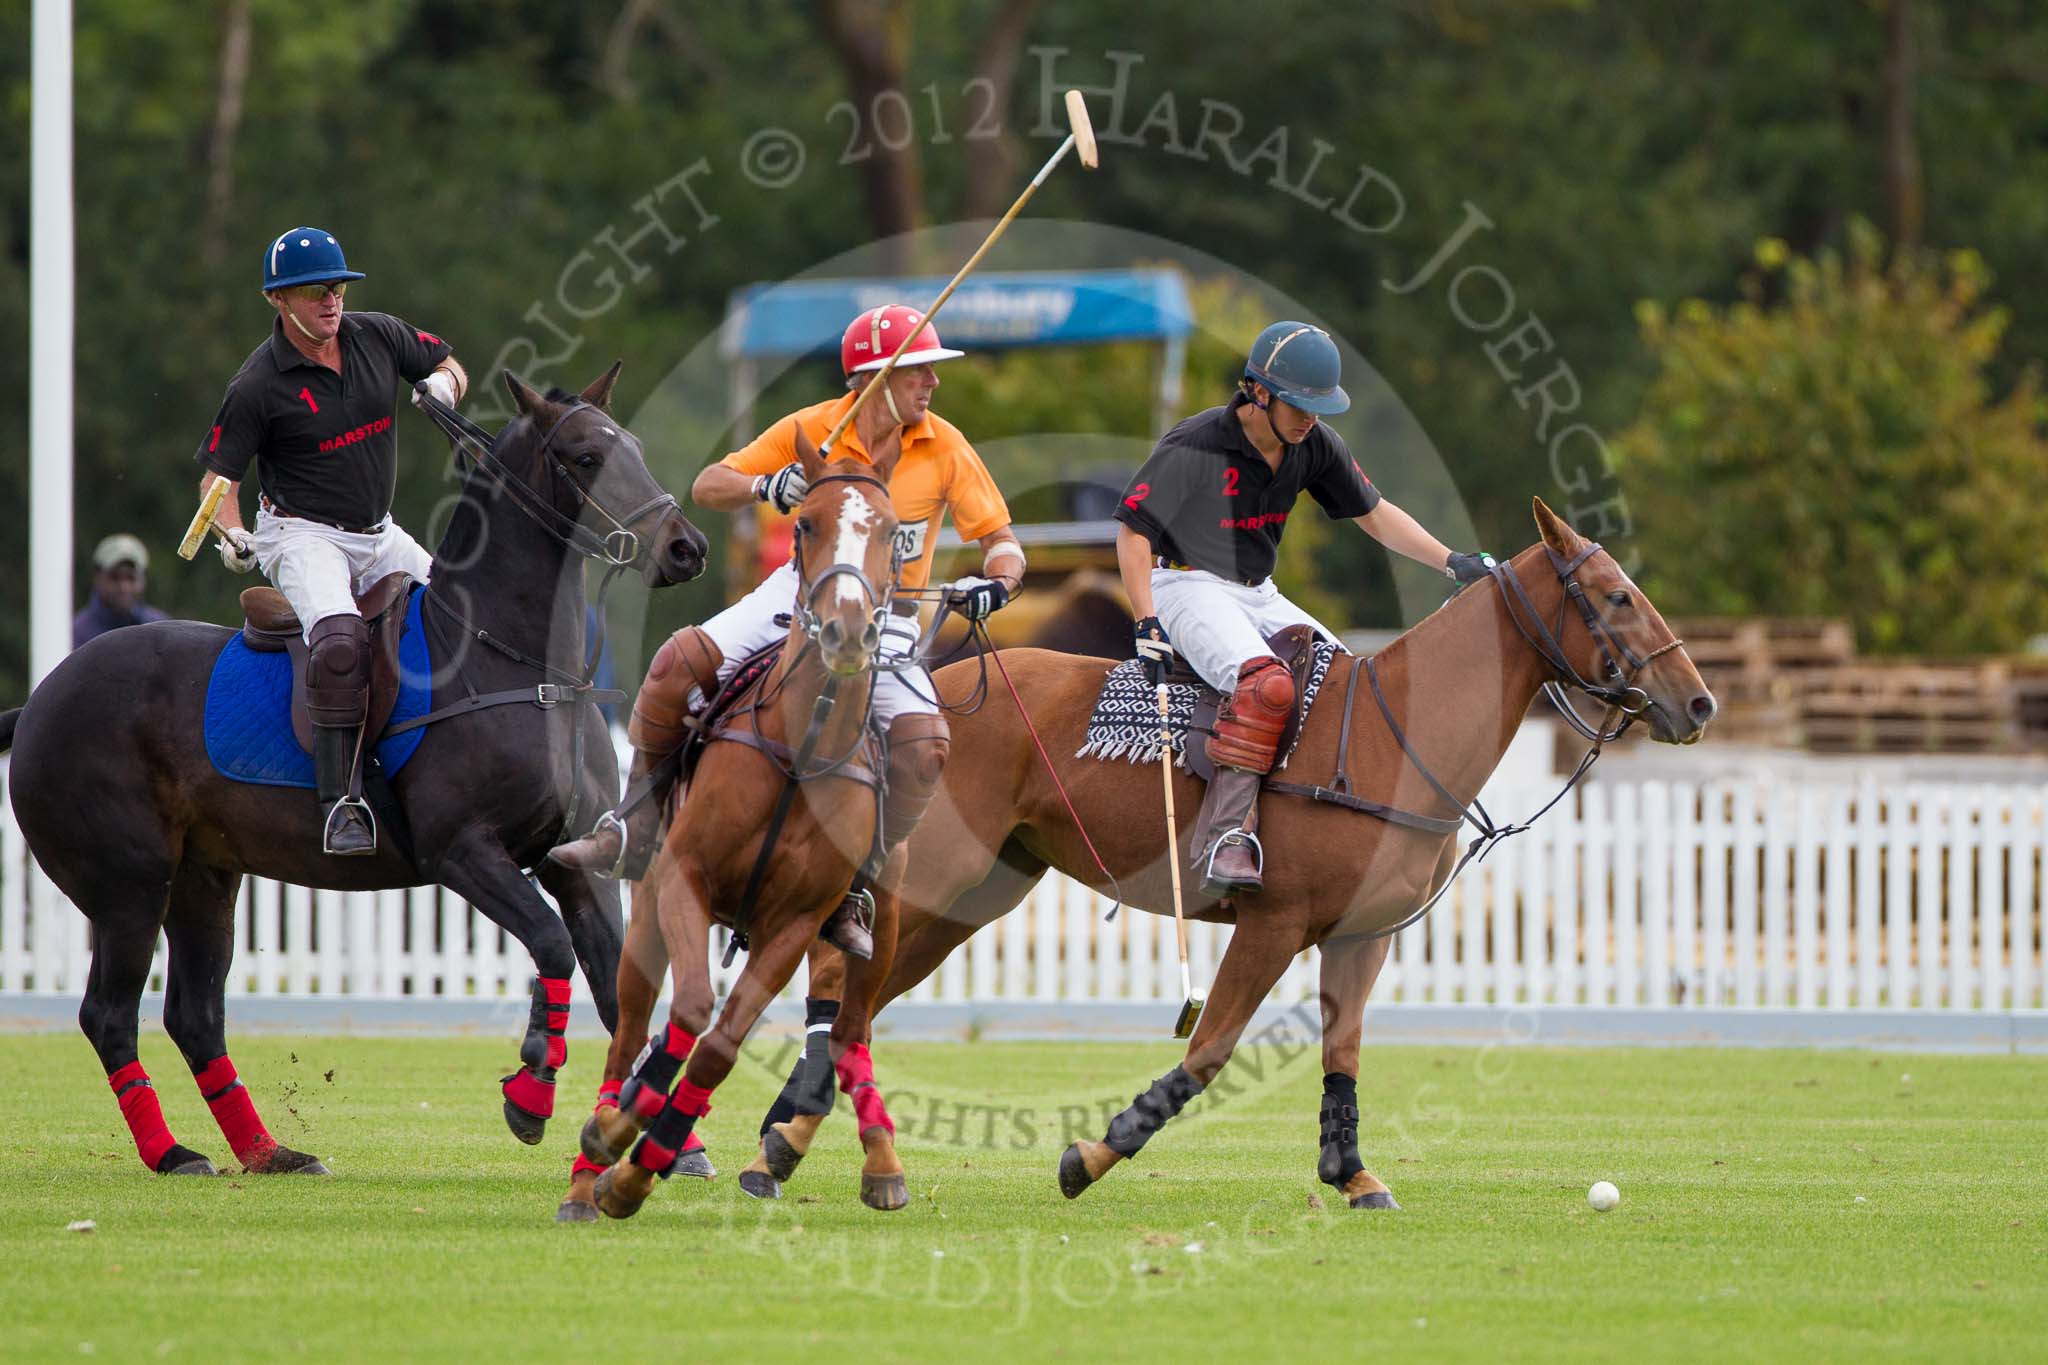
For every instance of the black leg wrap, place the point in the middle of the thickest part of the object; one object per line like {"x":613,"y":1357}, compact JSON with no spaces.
{"x":533,"y":1048}
{"x":653,"y":1075}
{"x":1132,"y":1129}
{"x":812,"y":1086}
{"x":1339,"y":1119}
{"x":662,"y":1143}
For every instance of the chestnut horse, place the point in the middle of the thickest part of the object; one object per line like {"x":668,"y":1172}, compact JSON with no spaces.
{"x":1458,"y":685}
{"x":743,"y":850}
{"x":123,"y":810}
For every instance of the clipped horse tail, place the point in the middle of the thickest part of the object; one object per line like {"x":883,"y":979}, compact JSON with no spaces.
{"x":7,"y":724}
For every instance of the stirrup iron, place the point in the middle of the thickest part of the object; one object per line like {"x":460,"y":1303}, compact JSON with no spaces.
{"x":338,"y":815}
{"x":1235,"y":836}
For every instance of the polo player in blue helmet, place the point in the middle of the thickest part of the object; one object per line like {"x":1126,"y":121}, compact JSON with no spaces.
{"x":1199,"y":535}
{"x":313,"y":406}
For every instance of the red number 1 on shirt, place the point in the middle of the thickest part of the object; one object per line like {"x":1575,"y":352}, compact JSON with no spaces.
{"x":307,"y":394}
{"x":1230,"y":483}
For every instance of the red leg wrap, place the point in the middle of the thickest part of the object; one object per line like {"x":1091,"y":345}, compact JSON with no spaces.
{"x":857,"y":1079}
{"x":531,"y":1093}
{"x":234,"y":1111}
{"x":693,"y":1099}
{"x":145,"y":1116}
{"x":584,"y":1163}
{"x":608,"y":1093}
{"x":557,"y":990}
{"x":657,"y":1071}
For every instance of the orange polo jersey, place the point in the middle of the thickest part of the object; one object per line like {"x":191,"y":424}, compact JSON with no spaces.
{"x":938,"y":472}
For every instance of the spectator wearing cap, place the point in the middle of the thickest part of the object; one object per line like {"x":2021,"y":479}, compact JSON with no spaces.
{"x":120,"y":574}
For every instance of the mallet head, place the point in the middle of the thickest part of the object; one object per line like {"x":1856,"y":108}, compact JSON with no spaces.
{"x":1084,"y":131}
{"x":1190,"y":1011}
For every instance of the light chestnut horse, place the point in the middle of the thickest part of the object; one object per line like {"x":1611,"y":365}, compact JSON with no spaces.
{"x":808,"y":716}
{"x":1458,"y":685}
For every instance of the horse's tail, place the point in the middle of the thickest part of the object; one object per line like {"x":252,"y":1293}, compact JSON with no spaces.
{"x":7,"y":724}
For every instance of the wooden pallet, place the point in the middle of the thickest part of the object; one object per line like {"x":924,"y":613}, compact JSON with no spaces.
{"x":1908,"y":706}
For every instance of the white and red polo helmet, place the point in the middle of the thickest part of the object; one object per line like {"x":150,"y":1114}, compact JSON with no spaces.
{"x":873,"y":337}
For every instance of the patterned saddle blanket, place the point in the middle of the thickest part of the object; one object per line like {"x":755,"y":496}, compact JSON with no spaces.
{"x":249,"y":711}
{"x":1125,"y":722}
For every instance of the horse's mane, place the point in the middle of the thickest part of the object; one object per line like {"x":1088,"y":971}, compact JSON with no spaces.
{"x":557,"y":394}
{"x":1435,"y":620}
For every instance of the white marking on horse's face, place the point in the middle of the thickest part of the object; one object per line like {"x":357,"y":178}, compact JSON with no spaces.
{"x":856,"y":522}
{"x":608,"y":431}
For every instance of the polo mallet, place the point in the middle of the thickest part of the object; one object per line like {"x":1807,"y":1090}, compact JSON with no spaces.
{"x":203,"y":519}
{"x":1191,"y":999}
{"x":1082,"y":138}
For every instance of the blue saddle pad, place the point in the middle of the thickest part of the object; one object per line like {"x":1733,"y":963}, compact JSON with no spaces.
{"x":249,"y":710}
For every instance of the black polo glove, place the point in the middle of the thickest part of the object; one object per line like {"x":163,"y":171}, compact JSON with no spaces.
{"x":1155,"y":651}
{"x":1470,"y":568}
{"x":977,"y":599}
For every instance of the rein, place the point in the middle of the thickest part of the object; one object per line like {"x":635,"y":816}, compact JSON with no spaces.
{"x":1625,"y":701}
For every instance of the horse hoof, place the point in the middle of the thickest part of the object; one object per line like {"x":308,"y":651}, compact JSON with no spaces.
{"x":528,"y":1128}
{"x":760,"y":1185}
{"x":615,"y":1202}
{"x":597,"y":1144}
{"x":885,"y":1192}
{"x":1074,"y":1176}
{"x":185,"y":1161}
{"x":285,"y":1161}
{"x":1378,"y":1199}
{"x":576,"y":1211}
{"x":780,"y":1158}
{"x":695,"y":1163}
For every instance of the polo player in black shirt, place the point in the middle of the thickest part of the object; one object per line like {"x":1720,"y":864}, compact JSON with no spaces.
{"x":313,"y":407}
{"x":1200,"y":533}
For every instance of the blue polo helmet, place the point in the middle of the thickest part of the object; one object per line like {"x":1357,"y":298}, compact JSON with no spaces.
{"x":1300,"y":364}
{"x":305,"y":255}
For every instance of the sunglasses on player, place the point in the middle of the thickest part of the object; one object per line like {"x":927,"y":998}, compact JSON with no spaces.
{"x":314,"y":293}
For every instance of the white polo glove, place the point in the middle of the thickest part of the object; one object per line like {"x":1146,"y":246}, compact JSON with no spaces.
{"x":237,"y":549}
{"x":785,"y":488}
{"x":441,"y":384}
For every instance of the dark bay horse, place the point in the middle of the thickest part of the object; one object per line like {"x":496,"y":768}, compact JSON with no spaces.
{"x":122,"y":808}
{"x":1459,"y":685}
{"x":807,"y":717}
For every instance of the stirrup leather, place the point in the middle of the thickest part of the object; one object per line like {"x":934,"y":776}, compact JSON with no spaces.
{"x":1236,"y":836}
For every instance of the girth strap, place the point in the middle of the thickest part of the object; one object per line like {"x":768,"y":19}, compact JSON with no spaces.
{"x":544,"y":695}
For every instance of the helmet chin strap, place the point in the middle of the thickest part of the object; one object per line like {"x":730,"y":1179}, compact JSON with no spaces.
{"x":889,"y":397}
{"x":303,"y":328}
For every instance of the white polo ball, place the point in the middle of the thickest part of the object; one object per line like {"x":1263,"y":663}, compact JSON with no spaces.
{"x":1603,"y":1196}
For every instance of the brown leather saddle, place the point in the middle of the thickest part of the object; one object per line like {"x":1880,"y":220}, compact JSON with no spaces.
{"x":1294,"y":646}
{"x":270,"y":626}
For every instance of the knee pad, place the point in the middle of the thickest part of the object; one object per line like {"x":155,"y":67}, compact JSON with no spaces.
{"x":687,"y":659}
{"x":338,"y":671}
{"x":1251,"y":719}
{"x":918,"y":745}
{"x":917,"y":760}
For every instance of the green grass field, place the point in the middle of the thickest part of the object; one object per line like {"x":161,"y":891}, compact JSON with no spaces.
{"x":1776,"y":1205}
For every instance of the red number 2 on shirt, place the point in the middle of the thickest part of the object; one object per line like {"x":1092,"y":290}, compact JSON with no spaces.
{"x":1230,"y":483}
{"x":1139,"y":492}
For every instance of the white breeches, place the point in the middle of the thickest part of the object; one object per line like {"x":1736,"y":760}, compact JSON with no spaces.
{"x":320,"y":569}
{"x":1216,"y":624}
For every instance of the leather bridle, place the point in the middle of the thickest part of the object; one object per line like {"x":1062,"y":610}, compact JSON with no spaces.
{"x":805,"y":615}
{"x":618,"y":548}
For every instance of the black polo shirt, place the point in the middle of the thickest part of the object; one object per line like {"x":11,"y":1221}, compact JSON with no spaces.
{"x":322,"y":440}
{"x":1207,"y":498}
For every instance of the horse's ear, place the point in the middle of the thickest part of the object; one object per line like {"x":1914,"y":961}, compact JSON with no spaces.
{"x":1558,"y":536}
{"x":529,"y":402}
{"x":807,"y":454}
{"x":599,"y":394}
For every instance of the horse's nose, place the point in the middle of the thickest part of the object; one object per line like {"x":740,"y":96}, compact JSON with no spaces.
{"x":870,"y":638}
{"x":686,"y":554}
{"x":1701,"y":709}
{"x":831,"y":636}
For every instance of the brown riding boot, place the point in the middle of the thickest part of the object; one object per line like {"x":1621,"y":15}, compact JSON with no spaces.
{"x":625,"y":838}
{"x":338,"y":703}
{"x":917,"y":760}
{"x":1244,"y":747}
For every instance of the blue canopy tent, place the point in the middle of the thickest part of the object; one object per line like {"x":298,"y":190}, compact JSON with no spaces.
{"x":770,"y":322}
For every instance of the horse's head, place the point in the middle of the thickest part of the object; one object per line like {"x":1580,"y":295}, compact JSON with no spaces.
{"x":1617,"y":641}
{"x":845,"y":556}
{"x":589,"y":470}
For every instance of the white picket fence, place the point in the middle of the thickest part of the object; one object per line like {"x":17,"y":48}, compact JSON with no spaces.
{"x":1801,"y":895}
